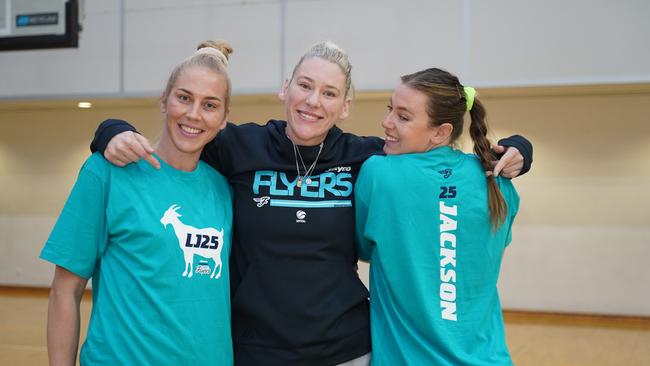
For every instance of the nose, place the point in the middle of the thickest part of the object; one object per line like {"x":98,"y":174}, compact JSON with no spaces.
{"x":387,"y":123}
{"x":313,"y":100}
{"x":194,"y":111}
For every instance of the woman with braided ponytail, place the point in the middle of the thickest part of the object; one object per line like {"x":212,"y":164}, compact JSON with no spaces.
{"x":434,"y":223}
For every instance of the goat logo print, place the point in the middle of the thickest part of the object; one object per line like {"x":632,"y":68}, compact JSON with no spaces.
{"x":206,"y":243}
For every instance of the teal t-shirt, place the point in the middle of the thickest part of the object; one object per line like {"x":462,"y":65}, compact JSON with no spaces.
{"x":156,"y":244}
{"x":423,"y":222}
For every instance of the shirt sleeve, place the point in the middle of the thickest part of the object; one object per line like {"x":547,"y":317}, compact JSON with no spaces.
{"x":362,"y":194}
{"x":525,"y":148}
{"x":106,"y":131}
{"x":79,"y":236}
{"x":511,"y":197}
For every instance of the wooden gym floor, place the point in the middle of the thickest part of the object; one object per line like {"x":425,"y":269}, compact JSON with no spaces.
{"x":534,"y":339}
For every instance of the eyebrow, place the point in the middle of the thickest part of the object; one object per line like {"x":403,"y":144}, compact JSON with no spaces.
{"x":390,"y":102}
{"x":312,"y":80}
{"x":208,"y":97}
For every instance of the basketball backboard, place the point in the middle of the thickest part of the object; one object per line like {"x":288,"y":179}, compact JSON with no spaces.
{"x":38,"y":24}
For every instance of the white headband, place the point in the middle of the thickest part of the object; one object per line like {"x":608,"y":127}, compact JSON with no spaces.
{"x":213,"y":51}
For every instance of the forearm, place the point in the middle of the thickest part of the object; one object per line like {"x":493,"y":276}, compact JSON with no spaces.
{"x":63,"y":318}
{"x":106,"y":131}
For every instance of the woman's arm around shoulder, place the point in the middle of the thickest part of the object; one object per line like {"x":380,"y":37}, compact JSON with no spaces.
{"x":120,"y":143}
{"x":515,"y":154}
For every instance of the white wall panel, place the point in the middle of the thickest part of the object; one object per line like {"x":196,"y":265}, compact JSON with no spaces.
{"x":147,"y":5}
{"x":158,"y":37}
{"x":93,"y":68}
{"x":599,"y":270}
{"x":558,"y":42}
{"x":488,"y":43}
{"x":24,"y":237}
{"x":385,"y":39}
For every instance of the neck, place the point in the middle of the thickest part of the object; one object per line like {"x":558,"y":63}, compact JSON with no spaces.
{"x":445,"y":142}
{"x":300,"y":142}
{"x":186,"y":162}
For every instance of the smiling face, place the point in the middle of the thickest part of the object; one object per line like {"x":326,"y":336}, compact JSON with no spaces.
{"x":314,"y":99}
{"x":407,"y":124}
{"x":195,"y":111}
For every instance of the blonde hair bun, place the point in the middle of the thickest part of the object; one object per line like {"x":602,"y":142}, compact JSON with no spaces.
{"x":221,"y":46}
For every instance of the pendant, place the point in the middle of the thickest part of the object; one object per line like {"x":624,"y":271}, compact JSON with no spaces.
{"x":299,"y":183}
{"x":308,"y":181}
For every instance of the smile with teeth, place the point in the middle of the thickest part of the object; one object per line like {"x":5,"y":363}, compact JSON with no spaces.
{"x":390,"y":138}
{"x":190,"y":130}
{"x":308,"y":116}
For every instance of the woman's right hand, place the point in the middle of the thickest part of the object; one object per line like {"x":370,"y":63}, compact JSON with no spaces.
{"x":129,"y":147}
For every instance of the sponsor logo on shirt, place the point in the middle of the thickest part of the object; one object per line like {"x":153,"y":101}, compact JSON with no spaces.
{"x":340,"y":169}
{"x":206,"y":243}
{"x":300,"y":216}
{"x":203,"y":268}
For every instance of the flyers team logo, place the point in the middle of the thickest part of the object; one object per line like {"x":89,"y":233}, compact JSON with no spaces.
{"x":206,"y":243}
{"x":261,"y":201}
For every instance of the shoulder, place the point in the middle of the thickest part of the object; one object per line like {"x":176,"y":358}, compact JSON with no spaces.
{"x":253,"y":127}
{"x":471,"y":161}
{"x":375,"y":162}
{"x":373,"y":171}
{"x":104,"y":170}
{"x":509,"y":193}
{"x":212,"y":174}
{"x":97,"y":166}
{"x":248,"y":133}
{"x":347,"y":148}
{"x":214,"y":182}
{"x":247,"y":127}
{"x":371,"y":145}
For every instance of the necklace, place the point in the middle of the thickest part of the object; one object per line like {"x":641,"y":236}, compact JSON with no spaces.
{"x":307,"y":176}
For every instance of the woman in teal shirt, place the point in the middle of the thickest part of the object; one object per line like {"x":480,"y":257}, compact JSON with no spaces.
{"x":434,"y":223}
{"x":157,"y":254}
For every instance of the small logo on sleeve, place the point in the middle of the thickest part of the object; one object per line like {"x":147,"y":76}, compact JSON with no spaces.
{"x":446,"y":173}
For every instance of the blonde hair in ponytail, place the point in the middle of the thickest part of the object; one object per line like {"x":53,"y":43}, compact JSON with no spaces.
{"x":213,"y":55}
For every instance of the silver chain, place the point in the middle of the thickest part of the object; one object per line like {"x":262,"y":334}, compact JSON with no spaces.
{"x":308,"y":172}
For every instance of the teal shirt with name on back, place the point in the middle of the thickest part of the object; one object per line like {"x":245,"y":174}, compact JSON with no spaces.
{"x":423,"y":222}
{"x":156,"y":244}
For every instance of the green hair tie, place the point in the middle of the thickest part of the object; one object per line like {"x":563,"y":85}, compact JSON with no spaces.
{"x":470,"y":93}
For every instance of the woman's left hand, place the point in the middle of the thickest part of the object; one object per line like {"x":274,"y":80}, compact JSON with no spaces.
{"x":510,"y":164}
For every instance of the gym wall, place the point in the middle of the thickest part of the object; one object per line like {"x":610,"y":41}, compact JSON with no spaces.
{"x":557,"y":72}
